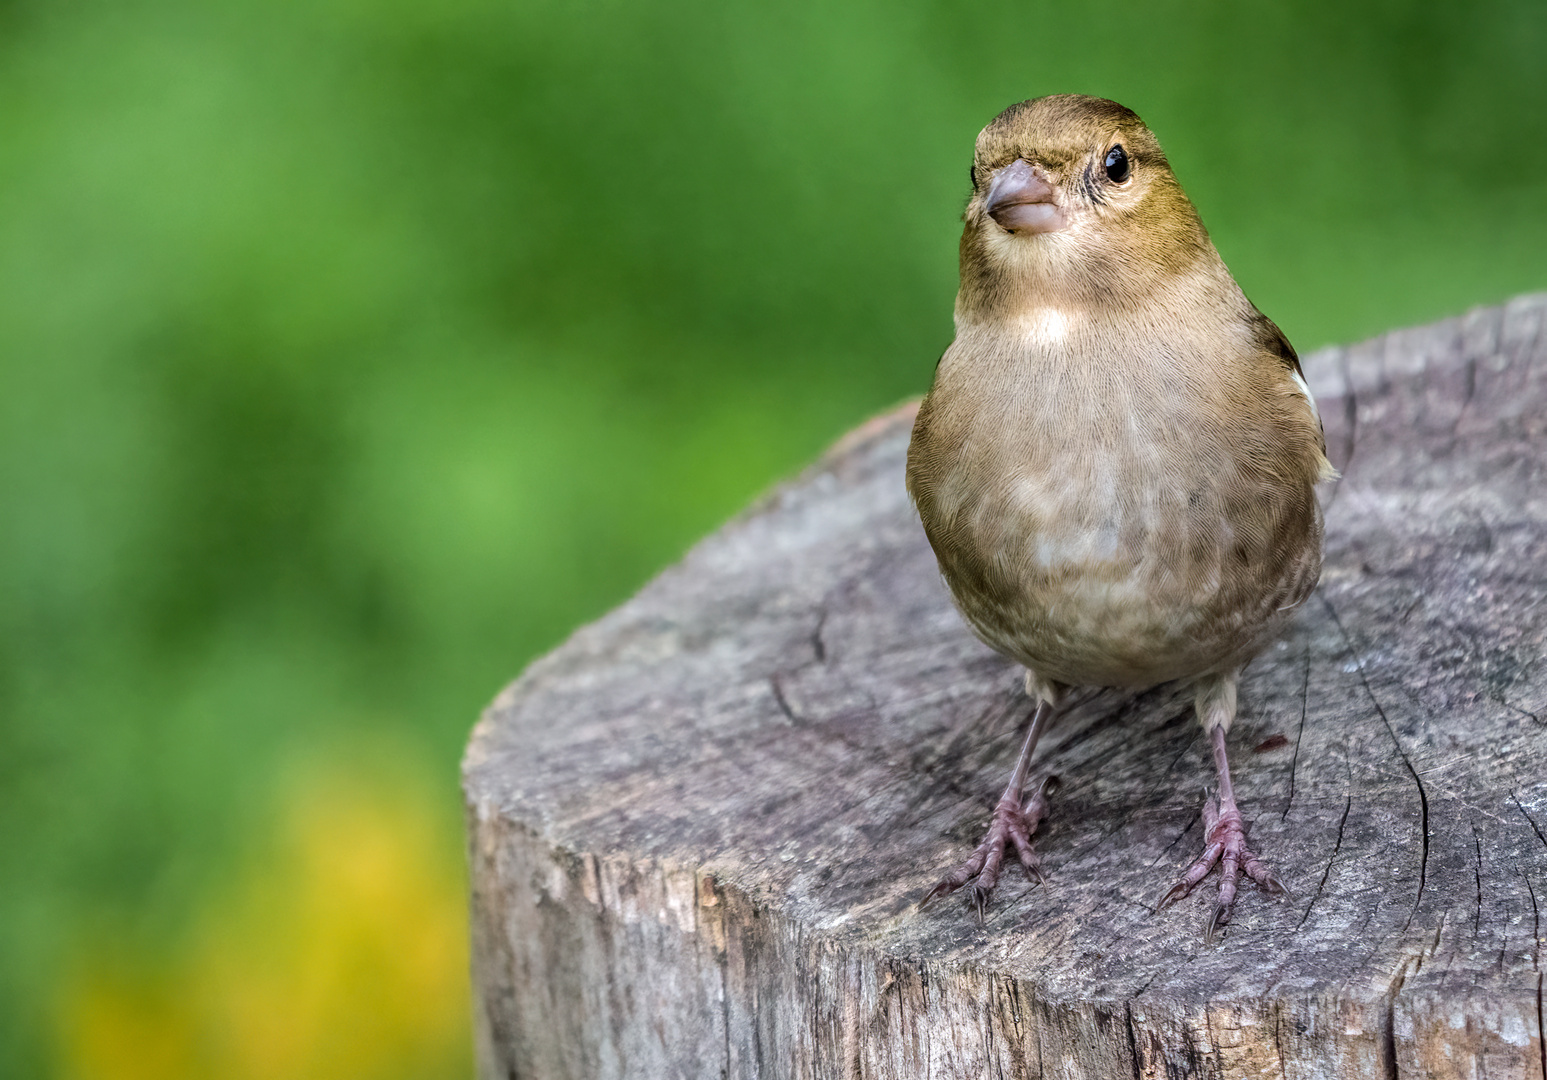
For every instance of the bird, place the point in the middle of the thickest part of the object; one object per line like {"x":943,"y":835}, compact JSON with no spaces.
{"x":1116,"y":463}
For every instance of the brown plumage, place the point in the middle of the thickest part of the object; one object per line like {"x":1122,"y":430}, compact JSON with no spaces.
{"x":1115,"y":465}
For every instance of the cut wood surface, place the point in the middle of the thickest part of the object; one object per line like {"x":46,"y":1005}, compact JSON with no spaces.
{"x":700,"y":828}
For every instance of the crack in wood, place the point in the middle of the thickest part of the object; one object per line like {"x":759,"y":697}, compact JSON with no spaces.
{"x":1389,"y":1032}
{"x":1278,"y":1043}
{"x":1336,"y":847}
{"x":1536,"y":925}
{"x":1537,"y":829}
{"x":1516,"y":708}
{"x":776,"y":684}
{"x":1477,"y":873}
{"x":1133,"y":1041}
{"x":1196,"y":819}
{"x":1541,"y":1027}
{"x":1294,"y":762}
{"x":1423,"y":796}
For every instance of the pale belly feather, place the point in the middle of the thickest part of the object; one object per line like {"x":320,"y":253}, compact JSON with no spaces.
{"x":1110,"y":563}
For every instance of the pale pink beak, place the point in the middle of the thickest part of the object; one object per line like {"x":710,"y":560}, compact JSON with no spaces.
{"x":1020,"y":200}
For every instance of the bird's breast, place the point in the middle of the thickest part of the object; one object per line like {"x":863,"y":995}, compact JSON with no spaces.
{"x":1093,"y":521}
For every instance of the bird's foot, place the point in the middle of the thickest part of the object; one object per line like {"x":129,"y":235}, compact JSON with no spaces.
{"x":1012,"y":825}
{"x":1225,"y":836}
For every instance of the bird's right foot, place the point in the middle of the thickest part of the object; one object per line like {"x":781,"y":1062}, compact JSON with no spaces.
{"x":1013,"y":825}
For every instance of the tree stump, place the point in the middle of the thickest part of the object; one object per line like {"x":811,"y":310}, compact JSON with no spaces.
{"x":700,"y":828}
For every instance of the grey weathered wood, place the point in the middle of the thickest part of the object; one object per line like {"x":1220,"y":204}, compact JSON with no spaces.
{"x":699,"y":828}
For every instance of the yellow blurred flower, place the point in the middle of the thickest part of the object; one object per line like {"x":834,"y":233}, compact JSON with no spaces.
{"x":341,"y":951}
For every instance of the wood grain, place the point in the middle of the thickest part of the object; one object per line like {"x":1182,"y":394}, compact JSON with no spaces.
{"x":699,"y":828}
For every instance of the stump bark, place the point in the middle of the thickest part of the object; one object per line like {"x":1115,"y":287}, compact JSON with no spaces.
{"x":699,"y":829}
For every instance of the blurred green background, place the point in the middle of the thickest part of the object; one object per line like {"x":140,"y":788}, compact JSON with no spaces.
{"x":353,"y":352}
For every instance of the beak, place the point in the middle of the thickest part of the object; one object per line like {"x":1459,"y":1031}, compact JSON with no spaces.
{"x":1020,"y":199}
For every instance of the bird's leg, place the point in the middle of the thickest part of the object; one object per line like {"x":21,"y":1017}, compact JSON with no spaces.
{"x":1224,"y":833}
{"x":1013,"y":823}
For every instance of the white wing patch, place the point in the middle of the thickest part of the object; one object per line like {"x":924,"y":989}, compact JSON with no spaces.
{"x":1306,"y":390}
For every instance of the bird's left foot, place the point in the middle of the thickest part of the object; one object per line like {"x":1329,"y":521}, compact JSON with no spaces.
{"x":1225,"y":836}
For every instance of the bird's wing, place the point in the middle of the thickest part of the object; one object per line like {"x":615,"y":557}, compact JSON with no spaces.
{"x":1272,"y":341}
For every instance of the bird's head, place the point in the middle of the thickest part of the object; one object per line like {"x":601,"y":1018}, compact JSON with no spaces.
{"x":1072,"y":201}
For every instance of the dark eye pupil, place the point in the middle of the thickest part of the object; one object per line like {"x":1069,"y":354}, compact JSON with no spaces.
{"x":1117,"y":165}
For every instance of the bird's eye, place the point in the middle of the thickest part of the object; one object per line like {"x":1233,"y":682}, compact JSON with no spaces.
{"x":1117,"y":164}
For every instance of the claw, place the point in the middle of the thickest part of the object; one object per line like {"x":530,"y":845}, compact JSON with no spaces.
{"x":960,"y":876}
{"x":939,"y":890}
{"x":980,"y":903}
{"x":1172,"y":895}
{"x":1217,"y":923}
